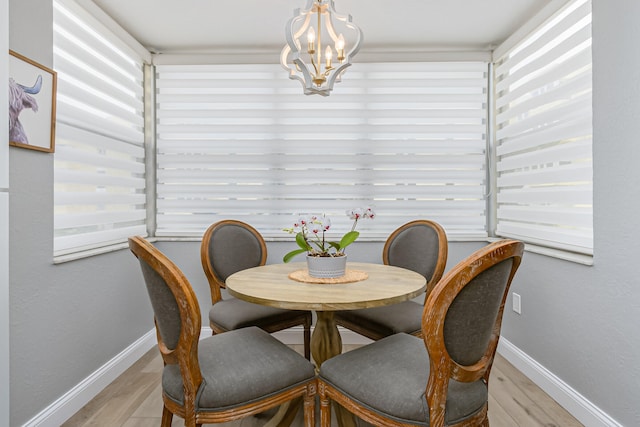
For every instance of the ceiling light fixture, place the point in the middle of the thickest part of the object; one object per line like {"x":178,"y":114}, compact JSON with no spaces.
{"x":323,"y":31}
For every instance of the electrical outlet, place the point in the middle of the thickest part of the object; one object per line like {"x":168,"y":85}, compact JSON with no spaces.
{"x":517,"y":307}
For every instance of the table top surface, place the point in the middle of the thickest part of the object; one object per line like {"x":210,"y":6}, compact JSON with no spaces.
{"x":270,"y":285}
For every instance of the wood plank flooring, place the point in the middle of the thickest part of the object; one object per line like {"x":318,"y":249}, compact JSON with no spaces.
{"x":134,"y":400}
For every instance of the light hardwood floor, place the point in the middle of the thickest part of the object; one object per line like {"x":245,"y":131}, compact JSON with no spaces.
{"x":134,"y":400}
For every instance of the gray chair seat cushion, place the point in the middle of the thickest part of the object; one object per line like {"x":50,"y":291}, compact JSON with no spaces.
{"x":233,"y":313}
{"x":389,"y":319}
{"x":390,"y":377}
{"x":238,"y":367}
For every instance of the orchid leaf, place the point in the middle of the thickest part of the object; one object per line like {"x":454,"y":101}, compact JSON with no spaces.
{"x":302,"y":242}
{"x":349,"y":238}
{"x":335,"y":246}
{"x":292,"y":254}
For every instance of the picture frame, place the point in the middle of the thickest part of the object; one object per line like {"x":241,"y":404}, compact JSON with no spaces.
{"x":32,"y":104}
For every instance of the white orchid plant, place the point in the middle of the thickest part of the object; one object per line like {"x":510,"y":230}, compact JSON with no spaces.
{"x":310,"y":234}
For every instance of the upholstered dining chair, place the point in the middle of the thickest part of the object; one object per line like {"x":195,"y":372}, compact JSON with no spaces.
{"x":421,"y":246}
{"x":229,"y":246}
{"x":441,"y":379}
{"x":223,"y":377}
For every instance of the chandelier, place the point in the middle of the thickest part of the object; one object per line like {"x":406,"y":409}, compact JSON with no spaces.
{"x":325,"y":33}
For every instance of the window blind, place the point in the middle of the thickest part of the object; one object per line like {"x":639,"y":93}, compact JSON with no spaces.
{"x":242,"y":141}
{"x":99,"y":185}
{"x":544,"y":134}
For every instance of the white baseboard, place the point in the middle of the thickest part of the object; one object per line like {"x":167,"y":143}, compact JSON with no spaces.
{"x":575,"y":403}
{"x":73,"y":400}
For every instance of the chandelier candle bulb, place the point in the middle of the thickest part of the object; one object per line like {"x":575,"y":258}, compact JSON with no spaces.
{"x":311,"y":41}
{"x":328,"y":54}
{"x":340,"y":47}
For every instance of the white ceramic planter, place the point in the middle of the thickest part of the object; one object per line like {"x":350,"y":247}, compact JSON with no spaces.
{"x":326,"y":267}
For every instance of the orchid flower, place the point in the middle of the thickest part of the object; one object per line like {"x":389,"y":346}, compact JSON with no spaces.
{"x":310,"y":234}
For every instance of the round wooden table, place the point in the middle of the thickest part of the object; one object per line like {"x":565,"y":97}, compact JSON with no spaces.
{"x":272,"y":285}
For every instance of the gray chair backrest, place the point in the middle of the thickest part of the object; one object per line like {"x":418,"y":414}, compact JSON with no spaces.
{"x":469,"y":323}
{"x":420,"y":246}
{"x":232,"y":248}
{"x":175,"y":306}
{"x":165,"y":306}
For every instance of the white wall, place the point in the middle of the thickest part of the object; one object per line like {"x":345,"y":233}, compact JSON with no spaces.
{"x":4,"y":216}
{"x":616,"y":300}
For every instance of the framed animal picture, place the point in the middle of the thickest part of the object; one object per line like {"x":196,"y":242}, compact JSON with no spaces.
{"x":32,"y":104}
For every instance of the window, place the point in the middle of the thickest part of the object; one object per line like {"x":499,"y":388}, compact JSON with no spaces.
{"x":99,"y":161}
{"x":241,"y":141}
{"x":544,"y":134}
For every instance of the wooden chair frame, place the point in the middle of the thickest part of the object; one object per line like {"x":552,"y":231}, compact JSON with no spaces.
{"x":438,"y":271}
{"x":185,"y":354}
{"x":442,"y":366}
{"x":216,"y":283}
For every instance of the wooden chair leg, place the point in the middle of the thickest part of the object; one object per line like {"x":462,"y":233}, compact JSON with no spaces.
{"x":309,"y":406}
{"x":325,"y":408}
{"x":167,"y":417}
{"x":307,"y":342}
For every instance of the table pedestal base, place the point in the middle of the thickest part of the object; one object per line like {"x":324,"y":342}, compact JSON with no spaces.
{"x":326,"y":343}
{"x":286,"y":414}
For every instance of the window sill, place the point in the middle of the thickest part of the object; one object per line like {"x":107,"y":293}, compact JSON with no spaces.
{"x":583,"y":259}
{"x":541,"y":250}
{"x":89,"y":252}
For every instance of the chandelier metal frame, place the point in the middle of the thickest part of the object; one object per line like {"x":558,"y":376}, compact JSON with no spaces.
{"x":307,"y":66}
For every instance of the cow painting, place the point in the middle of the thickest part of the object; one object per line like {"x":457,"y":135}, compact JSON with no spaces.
{"x":20,"y":97}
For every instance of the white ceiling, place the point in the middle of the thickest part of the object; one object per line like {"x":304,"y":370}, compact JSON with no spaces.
{"x":172,"y":26}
